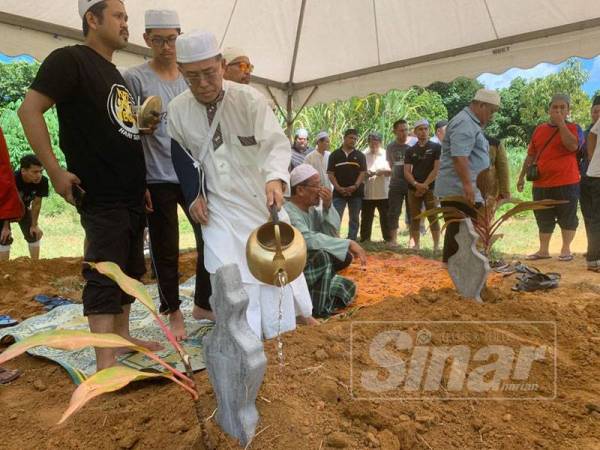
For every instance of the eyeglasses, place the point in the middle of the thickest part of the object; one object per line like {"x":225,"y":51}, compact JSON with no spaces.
{"x":196,"y":78}
{"x":244,"y":66}
{"x":160,"y":41}
{"x":312,"y":186}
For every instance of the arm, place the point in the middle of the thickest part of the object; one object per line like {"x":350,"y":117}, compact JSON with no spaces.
{"x":274,"y":150}
{"x":36,"y":207}
{"x":502,"y":172}
{"x":433,"y":174}
{"x":408,"y":176}
{"x":591,"y":144}
{"x":324,"y":236}
{"x":31,"y":114}
{"x":568,"y":139}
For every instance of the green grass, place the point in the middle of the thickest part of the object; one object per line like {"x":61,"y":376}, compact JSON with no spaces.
{"x":63,"y":235}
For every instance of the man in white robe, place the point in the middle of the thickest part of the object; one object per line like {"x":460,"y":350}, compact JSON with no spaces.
{"x":232,"y":160}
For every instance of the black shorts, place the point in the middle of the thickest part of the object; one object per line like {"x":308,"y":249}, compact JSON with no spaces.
{"x":565,"y":214}
{"x":25,"y":225}
{"x":114,"y":234}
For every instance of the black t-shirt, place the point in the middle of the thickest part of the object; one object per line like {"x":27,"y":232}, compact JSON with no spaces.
{"x":347,"y":169}
{"x":395,"y":154}
{"x":422,"y":160}
{"x":97,"y":126}
{"x":28,"y":191}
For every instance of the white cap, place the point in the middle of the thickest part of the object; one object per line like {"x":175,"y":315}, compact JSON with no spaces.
{"x":85,"y":5}
{"x":321,"y":135}
{"x":161,"y":18}
{"x":196,"y":46}
{"x":302,"y":173}
{"x":421,"y":123}
{"x":233,"y":53}
{"x":301,"y":133}
{"x":487,"y":96}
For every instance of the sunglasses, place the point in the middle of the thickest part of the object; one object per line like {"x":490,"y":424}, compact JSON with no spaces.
{"x":244,"y":66}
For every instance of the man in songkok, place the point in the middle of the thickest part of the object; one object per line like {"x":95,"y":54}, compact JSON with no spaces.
{"x":160,"y":76}
{"x":327,"y":252}
{"x":231,"y":157}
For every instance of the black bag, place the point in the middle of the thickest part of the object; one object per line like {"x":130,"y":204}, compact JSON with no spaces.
{"x":533,"y":171}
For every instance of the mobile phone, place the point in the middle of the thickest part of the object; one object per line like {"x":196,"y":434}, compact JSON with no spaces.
{"x":78,"y":195}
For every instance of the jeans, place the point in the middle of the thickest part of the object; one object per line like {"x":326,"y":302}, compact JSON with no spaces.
{"x":354,"y":206}
{"x":590,"y":208}
{"x":366,"y":218}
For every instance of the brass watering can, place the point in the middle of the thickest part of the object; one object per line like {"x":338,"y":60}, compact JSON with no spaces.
{"x":276,"y":252}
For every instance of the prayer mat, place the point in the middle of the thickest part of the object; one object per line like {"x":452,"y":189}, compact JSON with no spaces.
{"x":82,"y":364}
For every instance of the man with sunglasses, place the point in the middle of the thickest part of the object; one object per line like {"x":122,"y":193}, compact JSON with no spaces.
{"x":238,"y":67}
{"x":232,"y":158}
{"x":160,"y":76}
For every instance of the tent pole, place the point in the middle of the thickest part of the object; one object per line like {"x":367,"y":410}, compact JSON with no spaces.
{"x":289,"y":119}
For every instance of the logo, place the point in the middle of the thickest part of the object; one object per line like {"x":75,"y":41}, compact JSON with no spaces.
{"x":121,"y":112}
{"x":453,"y":360}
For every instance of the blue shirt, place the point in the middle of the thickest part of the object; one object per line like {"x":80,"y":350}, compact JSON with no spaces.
{"x":464,"y":137}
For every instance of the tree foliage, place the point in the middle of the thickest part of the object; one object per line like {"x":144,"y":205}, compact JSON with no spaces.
{"x":456,"y":94}
{"x":15,"y":79}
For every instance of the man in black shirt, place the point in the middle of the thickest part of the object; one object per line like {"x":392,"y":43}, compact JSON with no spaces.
{"x":100,"y":139}
{"x":347,"y":169}
{"x":32,"y":187}
{"x":421,"y":166}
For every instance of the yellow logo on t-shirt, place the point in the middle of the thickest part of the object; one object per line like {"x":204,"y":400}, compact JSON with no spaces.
{"x":120,"y":110}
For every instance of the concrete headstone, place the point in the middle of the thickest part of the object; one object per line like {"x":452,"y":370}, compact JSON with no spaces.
{"x":234,"y":356}
{"x":468,"y":268}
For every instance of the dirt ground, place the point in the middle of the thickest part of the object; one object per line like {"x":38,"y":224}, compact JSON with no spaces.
{"x":308,"y":403}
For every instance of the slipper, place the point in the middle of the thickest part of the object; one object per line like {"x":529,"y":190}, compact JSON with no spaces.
{"x":7,"y":321}
{"x":535,"y":257}
{"x":565,"y":258}
{"x":539,"y":281}
{"x":7,"y":375}
{"x":51,"y":302}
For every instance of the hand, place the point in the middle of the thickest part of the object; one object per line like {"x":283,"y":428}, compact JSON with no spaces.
{"x":63,"y":182}
{"x":421,"y":189}
{"x":148,"y":202}
{"x":274,"y":190}
{"x":358,"y":252}
{"x":5,"y":234}
{"x":36,"y":231}
{"x":469,"y":193}
{"x":326,"y":196}
{"x":199,"y":210}
{"x":559,"y":117}
{"x":520,"y":184}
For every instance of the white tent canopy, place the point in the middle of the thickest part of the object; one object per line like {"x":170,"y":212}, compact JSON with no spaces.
{"x":310,"y":51}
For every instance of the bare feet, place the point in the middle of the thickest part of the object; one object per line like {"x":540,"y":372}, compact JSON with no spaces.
{"x":310,"y":320}
{"x":203,"y":314}
{"x":177,"y":325}
{"x":150,"y":345}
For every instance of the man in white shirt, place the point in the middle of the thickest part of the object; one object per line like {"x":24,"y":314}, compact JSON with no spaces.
{"x":226,"y":133}
{"x":590,"y":197}
{"x":319,"y":158}
{"x":377,"y":185}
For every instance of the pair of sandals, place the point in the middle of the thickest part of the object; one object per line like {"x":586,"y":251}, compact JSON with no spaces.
{"x":536,"y":257}
{"x":531,"y":279}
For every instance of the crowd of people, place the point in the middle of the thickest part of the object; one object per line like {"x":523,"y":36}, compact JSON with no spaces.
{"x":221,"y":154}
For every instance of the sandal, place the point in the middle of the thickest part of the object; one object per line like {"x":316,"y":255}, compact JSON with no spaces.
{"x":565,"y":258}
{"x":7,"y":375}
{"x":535,"y":282}
{"x":7,"y":321}
{"x":535,"y":257}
